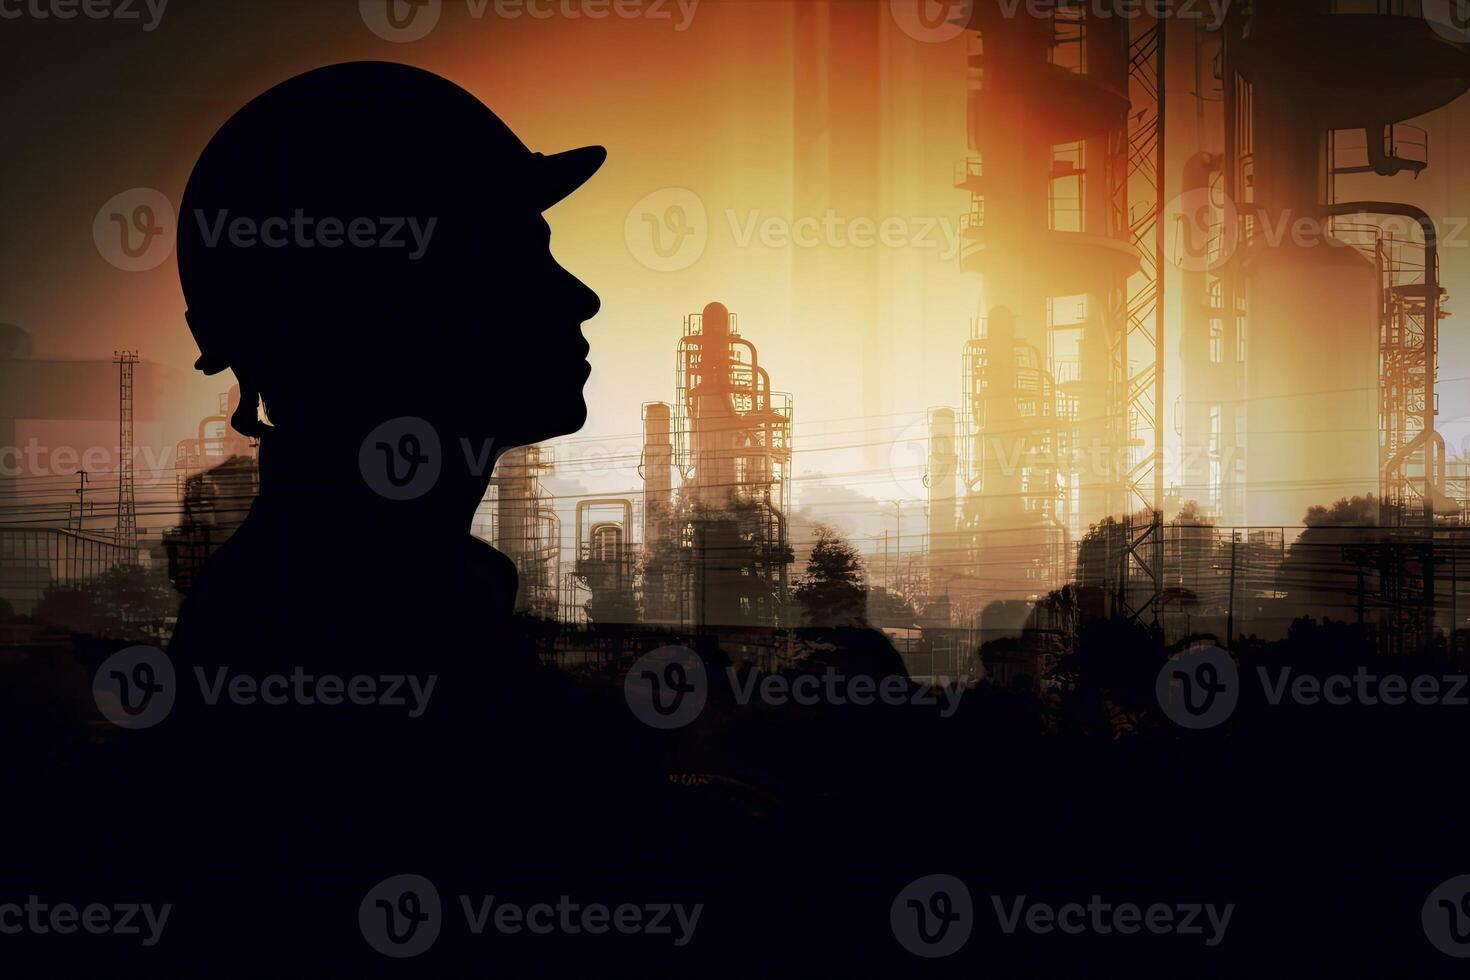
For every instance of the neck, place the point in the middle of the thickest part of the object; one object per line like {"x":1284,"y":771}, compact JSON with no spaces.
{"x":340,"y":481}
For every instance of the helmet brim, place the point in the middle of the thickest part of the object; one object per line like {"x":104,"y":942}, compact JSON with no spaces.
{"x":558,"y":174}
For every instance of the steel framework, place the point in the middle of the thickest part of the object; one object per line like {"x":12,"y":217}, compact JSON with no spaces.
{"x":127,"y":510}
{"x":1143,"y":197}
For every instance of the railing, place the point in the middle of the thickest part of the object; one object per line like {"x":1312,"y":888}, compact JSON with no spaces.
{"x":1247,"y":165}
{"x":1383,"y":8}
{"x":1066,"y":213}
{"x":968,"y":169}
{"x":1402,"y":259}
{"x":1406,"y":142}
{"x":971,"y":224}
{"x":1069,"y":40}
{"x":1213,"y":251}
{"x":974,"y":219}
{"x":1403,"y":143}
{"x":1066,"y":371}
{"x":975,"y":57}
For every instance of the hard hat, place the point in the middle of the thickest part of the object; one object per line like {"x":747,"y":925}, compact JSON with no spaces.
{"x":373,"y":143}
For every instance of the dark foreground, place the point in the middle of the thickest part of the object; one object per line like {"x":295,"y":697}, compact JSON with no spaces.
{"x":558,"y":834}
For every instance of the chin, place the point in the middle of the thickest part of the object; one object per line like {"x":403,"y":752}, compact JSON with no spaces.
{"x":571,"y":417}
{"x":567,"y":416}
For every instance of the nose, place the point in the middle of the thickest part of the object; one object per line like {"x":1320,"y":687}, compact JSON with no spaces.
{"x":586,"y":302}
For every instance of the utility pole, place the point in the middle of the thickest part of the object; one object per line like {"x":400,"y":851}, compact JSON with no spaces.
{"x":898,"y":539}
{"x":887,"y":581}
{"x":81,"y":492}
{"x":1230,"y":614}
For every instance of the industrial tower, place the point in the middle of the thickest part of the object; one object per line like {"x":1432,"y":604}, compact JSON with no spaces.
{"x":1338,"y":344}
{"x":526,"y":529}
{"x":127,"y":512}
{"x":605,"y":559}
{"x":1060,"y":421}
{"x":717,"y":553}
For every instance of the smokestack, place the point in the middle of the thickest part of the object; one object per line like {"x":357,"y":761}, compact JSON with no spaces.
{"x":658,"y":472}
{"x":716,"y":426}
{"x":943,"y":465}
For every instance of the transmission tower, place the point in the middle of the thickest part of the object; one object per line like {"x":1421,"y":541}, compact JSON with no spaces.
{"x":1143,"y":210}
{"x":127,"y":515}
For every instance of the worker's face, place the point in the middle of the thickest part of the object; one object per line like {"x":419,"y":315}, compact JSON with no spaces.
{"x":482,"y":336}
{"x":522,"y":358}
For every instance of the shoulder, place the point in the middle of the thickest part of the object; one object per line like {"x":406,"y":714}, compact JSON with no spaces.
{"x":222,"y":602}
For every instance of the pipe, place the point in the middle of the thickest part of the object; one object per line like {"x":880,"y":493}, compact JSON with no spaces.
{"x":1378,"y":158}
{"x":585,"y":505}
{"x":1433,"y":475}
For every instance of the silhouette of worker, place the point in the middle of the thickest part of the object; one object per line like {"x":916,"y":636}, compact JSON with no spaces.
{"x":363,"y":246}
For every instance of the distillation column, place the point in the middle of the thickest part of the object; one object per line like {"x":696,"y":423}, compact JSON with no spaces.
{"x":1046,"y":435}
{"x":663,"y":564}
{"x":733,"y":448}
{"x":657,"y":471}
{"x":945,"y":549}
{"x":1204,"y":232}
{"x":1313,"y":306}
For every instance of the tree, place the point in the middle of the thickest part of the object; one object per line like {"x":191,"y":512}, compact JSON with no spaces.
{"x":831,"y":592}
{"x":126,"y":602}
{"x":1357,"y":512}
{"x":1190,"y":514}
{"x":891,"y":609}
{"x":1337,"y":562}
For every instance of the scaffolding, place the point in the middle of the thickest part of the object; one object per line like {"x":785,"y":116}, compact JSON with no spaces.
{"x":1060,"y":426}
{"x":722,"y":556}
{"x":526,"y":529}
{"x":214,"y":443}
{"x":1347,"y":334}
{"x":1009,"y":390}
{"x":1143,"y":345}
{"x":1412,"y":466}
{"x":605,"y":562}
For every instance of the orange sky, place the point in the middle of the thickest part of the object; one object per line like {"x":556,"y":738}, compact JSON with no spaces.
{"x":710,"y":109}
